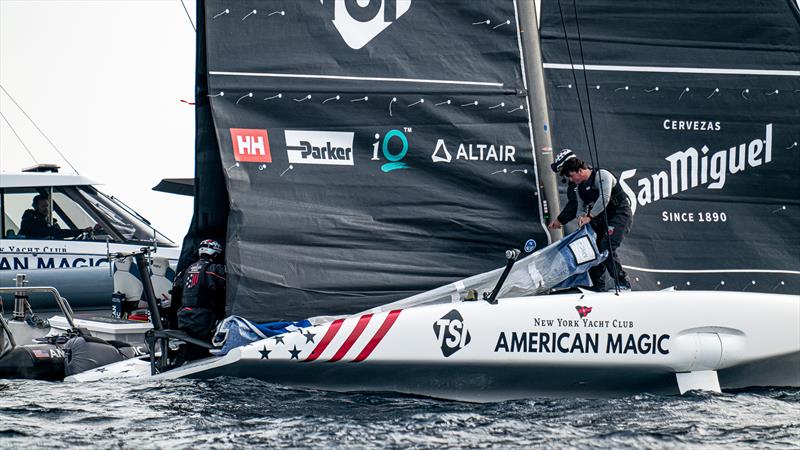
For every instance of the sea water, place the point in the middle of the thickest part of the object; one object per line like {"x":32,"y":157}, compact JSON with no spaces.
{"x":246,"y":413}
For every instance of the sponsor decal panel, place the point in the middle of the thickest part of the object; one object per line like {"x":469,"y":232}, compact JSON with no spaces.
{"x":393,"y":146}
{"x":250,"y":145}
{"x":695,"y":167}
{"x":451,"y":333}
{"x":332,"y":148}
{"x":582,"y":336}
{"x":473,"y":152}
{"x":359,"y":22}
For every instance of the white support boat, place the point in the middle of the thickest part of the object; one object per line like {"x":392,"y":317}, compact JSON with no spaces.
{"x":557,"y":345}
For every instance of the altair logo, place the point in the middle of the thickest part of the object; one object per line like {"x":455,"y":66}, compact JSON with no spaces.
{"x":451,"y":333}
{"x":474,"y":152}
{"x":360,"y":21}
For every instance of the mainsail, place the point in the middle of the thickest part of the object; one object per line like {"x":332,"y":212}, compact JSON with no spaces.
{"x":695,"y":107}
{"x":369,"y":151}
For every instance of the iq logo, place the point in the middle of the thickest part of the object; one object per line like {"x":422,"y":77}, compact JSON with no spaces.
{"x":360,"y":21}
{"x":250,"y":145}
{"x":394,"y":147}
{"x":451,"y":333}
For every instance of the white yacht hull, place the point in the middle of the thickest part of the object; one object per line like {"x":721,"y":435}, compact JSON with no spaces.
{"x":589,"y":345}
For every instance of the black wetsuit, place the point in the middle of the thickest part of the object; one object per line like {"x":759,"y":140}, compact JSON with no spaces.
{"x":571,"y":208}
{"x":620,"y":218}
{"x":203,"y":299}
{"x":35,"y":226}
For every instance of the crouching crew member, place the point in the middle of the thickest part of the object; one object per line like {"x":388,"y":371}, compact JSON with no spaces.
{"x":203,"y":296}
{"x":591,"y":191}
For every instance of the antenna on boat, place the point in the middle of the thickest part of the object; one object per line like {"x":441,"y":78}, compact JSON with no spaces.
{"x":37,"y":129}
{"x":594,"y":158}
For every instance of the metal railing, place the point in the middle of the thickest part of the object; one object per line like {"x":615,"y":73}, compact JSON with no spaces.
{"x":62,"y":303}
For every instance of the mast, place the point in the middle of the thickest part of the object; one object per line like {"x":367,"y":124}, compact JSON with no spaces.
{"x":537,"y":104}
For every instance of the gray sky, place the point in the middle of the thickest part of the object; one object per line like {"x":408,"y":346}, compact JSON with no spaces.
{"x":103,"y":79}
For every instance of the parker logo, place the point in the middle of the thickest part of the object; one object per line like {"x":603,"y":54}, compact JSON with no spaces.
{"x":583,"y":311}
{"x":474,"y":152}
{"x":360,"y":21}
{"x":451,"y":333}
{"x":250,"y":145}
{"x":332,"y":148}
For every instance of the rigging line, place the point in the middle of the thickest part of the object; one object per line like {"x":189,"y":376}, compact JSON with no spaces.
{"x":596,"y":153}
{"x":19,"y":138}
{"x":189,"y":16}
{"x":39,"y":130}
{"x":575,"y":80}
{"x":593,"y":158}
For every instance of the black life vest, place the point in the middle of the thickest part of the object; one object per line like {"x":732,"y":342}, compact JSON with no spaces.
{"x":589,"y":193}
{"x":204,"y":286}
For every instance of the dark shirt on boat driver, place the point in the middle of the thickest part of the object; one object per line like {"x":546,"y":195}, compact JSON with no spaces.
{"x":35,"y":226}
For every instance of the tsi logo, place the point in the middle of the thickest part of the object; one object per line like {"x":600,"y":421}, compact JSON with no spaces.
{"x":319,"y":147}
{"x":451,"y":333}
{"x":360,"y":21}
{"x":250,"y":145}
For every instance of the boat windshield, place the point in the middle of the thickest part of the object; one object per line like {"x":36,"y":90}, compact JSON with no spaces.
{"x":127,"y":222}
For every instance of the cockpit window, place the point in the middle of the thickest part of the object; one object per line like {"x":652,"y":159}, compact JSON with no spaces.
{"x":66,"y":216}
{"x":130,"y":225}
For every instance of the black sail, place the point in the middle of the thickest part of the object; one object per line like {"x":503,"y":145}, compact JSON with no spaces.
{"x":369,"y":151}
{"x":696,"y":108}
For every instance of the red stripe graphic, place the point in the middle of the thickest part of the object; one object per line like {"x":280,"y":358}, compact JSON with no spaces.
{"x":323,"y":344}
{"x":385,"y":326}
{"x":362,"y":323}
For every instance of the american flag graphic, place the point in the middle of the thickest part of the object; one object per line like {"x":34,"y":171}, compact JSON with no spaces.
{"x":344,"y":340}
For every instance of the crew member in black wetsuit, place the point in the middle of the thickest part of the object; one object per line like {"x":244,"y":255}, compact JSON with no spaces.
{"x":34,"y":223}
{"x":591,"y":191}
{"x":203,"y":296}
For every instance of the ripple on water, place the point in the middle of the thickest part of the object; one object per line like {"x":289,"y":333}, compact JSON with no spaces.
{"x":229,"y":412}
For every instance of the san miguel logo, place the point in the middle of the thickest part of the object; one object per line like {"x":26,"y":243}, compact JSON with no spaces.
{"x":451,"y":333}
{"x":583,"y":311}
{"x":250,"y":145}
{"x":360,"y":21}
{"x":692,"y":167}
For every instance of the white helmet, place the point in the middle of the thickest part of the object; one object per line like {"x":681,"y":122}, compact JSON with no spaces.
{"x":210,"y":248}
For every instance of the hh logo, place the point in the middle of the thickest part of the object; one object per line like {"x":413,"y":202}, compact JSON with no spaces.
{"x":250,"y":145}
{"x":360,"y":21}
{"x":451,"y":333}
{"x":583,"y":311}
